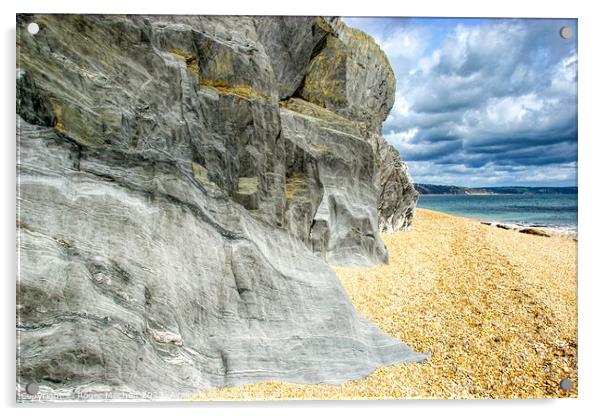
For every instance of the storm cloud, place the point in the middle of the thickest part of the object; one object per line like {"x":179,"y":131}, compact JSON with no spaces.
{"x":482,"y":102}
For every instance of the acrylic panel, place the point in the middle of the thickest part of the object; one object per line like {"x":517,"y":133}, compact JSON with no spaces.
{"x":292,"y":207}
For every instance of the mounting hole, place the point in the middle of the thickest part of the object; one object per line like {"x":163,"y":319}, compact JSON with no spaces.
{"x":566,"y":32}
{"x":33,"y":28}
{"x":566,"y":384}
{"x":32,"y":388}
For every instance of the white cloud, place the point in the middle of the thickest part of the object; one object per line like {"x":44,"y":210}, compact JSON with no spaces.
{"x":405,"y":43}
{"x":402,"y":137}
{"x":564,"y":77}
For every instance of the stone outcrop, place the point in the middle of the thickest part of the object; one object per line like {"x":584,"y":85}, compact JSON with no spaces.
{"x":398,"y":198}
{"x":184,"y":183}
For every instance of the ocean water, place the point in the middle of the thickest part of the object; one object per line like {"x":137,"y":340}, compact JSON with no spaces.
{"x":557,"y":211}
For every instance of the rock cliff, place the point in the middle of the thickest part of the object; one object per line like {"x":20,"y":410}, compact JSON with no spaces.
{"x":184,"y":183}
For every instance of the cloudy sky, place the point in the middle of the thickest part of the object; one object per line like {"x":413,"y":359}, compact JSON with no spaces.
{"x":482,"y":102}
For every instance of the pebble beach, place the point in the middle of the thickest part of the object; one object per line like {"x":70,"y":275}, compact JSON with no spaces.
{"x":497,"y":310}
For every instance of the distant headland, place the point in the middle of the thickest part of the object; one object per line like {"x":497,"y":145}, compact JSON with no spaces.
{"x":430,"y":189}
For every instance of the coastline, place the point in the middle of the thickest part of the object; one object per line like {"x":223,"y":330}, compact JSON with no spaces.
{"x":535,"y":229}
{"x":546,"y":214}
{"x":496,"y":309}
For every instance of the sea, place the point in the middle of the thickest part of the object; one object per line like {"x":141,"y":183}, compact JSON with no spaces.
{"x":545,"y":210}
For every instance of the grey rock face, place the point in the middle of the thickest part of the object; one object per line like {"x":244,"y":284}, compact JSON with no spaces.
{"x":290,"y":42}
{"x":398,"y":198}
{"x":352,"y":76}
{"x":176,"y":219}
{"x":344,"y":228}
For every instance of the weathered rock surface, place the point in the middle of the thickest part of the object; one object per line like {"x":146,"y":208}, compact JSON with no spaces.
{"x":351,"y":75}
{"x":398,"y":198}
{"x":183,"y":186}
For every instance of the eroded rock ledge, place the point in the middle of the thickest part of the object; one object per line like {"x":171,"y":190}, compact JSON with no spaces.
{"x":184,"y":183}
